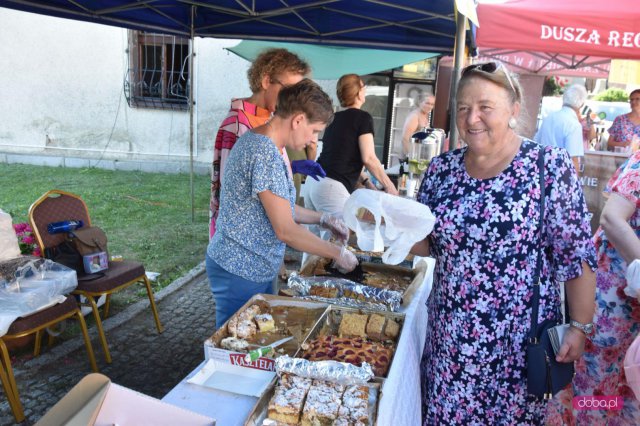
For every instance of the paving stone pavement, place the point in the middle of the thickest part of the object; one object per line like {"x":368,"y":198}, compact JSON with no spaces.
{"x":143,"y":360}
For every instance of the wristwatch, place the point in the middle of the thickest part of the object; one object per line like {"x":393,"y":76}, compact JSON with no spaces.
{"x":585,"y":328}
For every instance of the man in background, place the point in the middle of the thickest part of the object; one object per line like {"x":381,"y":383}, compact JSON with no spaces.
{"x":417,"y":120}
{"x":562,"y":128}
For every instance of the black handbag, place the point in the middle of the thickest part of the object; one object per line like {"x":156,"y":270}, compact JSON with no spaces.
{"x":67,"y":255}
{"x":545,"y":375}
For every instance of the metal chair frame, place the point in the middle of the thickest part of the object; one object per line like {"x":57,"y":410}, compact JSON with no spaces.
{"x":6,"y":370}
{"x":92,"y":296}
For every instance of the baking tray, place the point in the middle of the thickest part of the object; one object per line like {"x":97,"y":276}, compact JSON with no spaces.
{"x":408,"y":288}
{"x":329,"y":323}
{"x":260,"y":410}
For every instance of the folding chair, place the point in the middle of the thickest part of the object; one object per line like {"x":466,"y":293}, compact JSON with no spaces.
{"x":55,"y":206}
{"x":37,"y":323}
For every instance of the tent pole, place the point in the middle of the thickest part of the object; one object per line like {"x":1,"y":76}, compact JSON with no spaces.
{"x":458,"y":57}
{"x":191,"y":78}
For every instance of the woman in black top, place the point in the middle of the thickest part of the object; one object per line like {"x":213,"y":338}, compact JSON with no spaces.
{"x":347,"y":147}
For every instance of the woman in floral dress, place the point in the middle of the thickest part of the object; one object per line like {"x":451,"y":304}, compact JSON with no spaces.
{"x":601,"y":370}
{"x":486,"y":240}
{"x":626,"y":127}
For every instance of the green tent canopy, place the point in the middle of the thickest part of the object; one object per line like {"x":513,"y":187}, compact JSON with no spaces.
{"x":329,"y":63}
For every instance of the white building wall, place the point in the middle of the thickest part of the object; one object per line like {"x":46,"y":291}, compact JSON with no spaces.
{"x":62,"y":95}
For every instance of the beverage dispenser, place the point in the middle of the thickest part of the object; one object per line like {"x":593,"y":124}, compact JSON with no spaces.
{"x":425,"y":145}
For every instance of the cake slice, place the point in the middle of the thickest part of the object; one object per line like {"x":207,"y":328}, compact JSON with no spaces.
{"x":288,"y":399}
{"x":391,"y":330}
{"x":246,"y":329}
{"x":322,"y":291}
{"x":355,"y":407}
{"x":353,"y":325}
{"x":375,"y":326}
{"x":234,"y":344}
{"x":265,"y":322}
{"x":242,"y":324}
{"x":322,"y":404}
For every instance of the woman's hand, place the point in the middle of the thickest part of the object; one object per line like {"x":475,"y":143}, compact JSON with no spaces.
{"x":572,"y":345}
{"x":391,"y":190}
{"x":336,"y":225}
{"x":346,"y":261}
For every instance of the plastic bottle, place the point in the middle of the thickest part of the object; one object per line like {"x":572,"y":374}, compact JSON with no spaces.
{"x":64,"y":226}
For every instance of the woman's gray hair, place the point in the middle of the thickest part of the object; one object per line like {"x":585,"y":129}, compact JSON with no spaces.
{"x":574,"y":96}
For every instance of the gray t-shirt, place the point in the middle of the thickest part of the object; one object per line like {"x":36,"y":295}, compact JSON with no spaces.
{"x":245,"y":243}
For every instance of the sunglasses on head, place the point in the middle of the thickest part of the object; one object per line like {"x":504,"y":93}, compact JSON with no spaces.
{"x":490,"y":68}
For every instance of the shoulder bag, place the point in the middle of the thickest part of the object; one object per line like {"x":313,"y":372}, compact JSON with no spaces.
{"x":91,"y":243}
{"x":545,"y":375}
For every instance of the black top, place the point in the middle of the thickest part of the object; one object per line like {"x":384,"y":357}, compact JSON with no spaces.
{"x":340,"y":156}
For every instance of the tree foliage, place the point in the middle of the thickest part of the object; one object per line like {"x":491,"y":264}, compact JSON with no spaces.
{"x":612,"y":95}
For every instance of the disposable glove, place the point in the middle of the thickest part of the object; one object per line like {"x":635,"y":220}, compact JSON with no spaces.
{"x":309,"y":168}
{"x":346,"y":262}
{"x":336,"y":225}
{"x":633,"y":279}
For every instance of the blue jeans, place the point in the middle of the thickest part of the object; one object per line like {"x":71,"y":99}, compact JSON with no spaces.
{"x":231,"y":291}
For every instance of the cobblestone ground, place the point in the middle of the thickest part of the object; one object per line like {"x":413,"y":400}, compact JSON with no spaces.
{"x":143,"y":360}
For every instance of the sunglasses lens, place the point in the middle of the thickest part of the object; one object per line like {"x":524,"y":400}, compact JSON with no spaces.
{"x":489,"y":67}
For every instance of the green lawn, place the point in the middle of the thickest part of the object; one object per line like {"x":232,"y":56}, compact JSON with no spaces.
{"x":146,"y":216}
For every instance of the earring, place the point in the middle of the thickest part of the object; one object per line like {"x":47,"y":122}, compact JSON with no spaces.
{"x":513,"y":123}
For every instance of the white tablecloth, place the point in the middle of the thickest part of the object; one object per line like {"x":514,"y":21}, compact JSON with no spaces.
{"x":401,"y":400}
{"x":400,"y":403}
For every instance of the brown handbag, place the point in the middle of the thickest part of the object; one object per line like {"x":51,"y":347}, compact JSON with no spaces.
{"x":88,"y":240}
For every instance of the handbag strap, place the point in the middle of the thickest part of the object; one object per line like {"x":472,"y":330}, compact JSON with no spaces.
{"x":535,"y":299}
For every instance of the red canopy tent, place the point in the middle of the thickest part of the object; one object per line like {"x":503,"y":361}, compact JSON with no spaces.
{"x":574,"y":27}
{"x":548,"y":63}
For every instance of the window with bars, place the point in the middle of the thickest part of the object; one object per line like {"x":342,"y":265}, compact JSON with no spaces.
{"x":158,"y":72}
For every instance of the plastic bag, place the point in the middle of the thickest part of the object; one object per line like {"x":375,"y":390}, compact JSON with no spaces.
{"x":9,"y":247}
{"x":633,"y":279}
{"x":36,"y":285}
{"x":632,"y":367}
{"x":405,"y":223}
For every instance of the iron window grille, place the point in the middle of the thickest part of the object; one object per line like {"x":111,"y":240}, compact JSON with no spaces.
{"x":158,"y":72}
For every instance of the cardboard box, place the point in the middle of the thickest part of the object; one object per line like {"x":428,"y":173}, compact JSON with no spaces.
{"x":97,"y":401}
{"x":292,"y":317}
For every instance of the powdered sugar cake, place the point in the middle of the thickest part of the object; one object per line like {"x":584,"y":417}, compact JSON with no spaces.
{"x":322,"y":404}
{"x":288,"y":399}
{"x":354,"y":410}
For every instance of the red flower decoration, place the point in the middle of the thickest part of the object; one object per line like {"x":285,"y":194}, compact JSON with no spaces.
{"x":26,"y":240}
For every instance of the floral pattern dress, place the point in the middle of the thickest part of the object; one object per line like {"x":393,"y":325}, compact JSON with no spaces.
{"x":623,"y":129}
{"x":486,"y":241}
{"x":617,"y":322}
{"x":242,"y":117}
